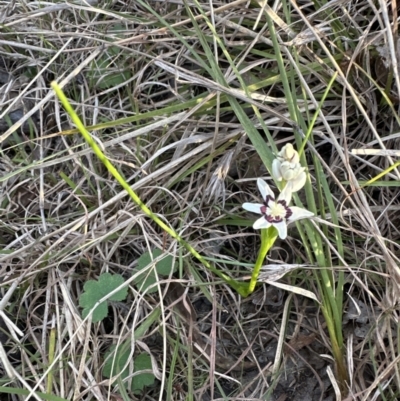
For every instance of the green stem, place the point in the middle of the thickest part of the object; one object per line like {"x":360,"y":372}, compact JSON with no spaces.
{"x":241,"y":288}
{"x":52,"y":347}
{"x":268,"y":237}
{"x":337,"y":349}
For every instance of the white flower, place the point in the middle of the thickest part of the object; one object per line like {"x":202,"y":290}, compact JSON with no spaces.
{"x":288,"y":154}
{"x":292,"y":173}
{"x":276,"y":213}
{"x":287,"y":167}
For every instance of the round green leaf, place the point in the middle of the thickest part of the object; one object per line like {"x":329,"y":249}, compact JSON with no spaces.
{"x":148,"y":278}
{"x":96,"y":290}
{"x":142,"y":362}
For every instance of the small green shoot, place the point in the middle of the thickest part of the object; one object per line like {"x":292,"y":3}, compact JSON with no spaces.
{"x":96,"y":290}
{"x":163,"y":267}
{"x":117,"y":364}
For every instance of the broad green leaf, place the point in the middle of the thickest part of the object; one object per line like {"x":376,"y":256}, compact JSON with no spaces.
{"x":96,"y":290}
{"x":164,"y":267}
{"x":108,"y":80}
{"x":142,"y":362}
{"x":117,"y":358}
{"x":109,"y":70}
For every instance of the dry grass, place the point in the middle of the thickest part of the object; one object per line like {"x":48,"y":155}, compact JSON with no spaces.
{"x":166,"y":123}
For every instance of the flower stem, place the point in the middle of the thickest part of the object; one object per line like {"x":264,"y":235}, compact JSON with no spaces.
{"x":241,"y":288}
{"x":268,"y":237}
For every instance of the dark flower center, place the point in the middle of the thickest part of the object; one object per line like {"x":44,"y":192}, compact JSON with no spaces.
{"x":275,"y":211}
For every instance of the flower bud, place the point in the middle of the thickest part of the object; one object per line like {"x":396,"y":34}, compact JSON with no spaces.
{"x":287,"y":167}
{"x":290,"y":171}
{"x":288,"y":154}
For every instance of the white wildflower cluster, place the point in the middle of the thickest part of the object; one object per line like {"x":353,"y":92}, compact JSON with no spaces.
{"x":287,"y":167}
{"x":277,"y":212}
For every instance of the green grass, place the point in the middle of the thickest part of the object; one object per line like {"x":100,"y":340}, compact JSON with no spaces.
{"x":186,"y":106}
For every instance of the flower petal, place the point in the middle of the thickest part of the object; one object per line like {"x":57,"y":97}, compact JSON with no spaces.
{"x":299,"y":182}
{"x":288,"y":170}
{"x":299,"y":213}
{"x":286,"y":194}
{"x":253,"y":207}
{"x":281,"y":227}
{"x":276,"y":170}
{"x":261,"y":223}
{"x":264,"y":189}
{"x":289,"y":154}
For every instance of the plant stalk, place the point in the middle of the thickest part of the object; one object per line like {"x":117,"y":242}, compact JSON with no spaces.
{"x":268,"y":237}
